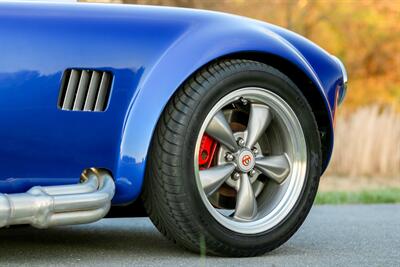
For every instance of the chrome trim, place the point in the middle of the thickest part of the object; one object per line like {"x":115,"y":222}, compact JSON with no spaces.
{"x":85,"y":90}
{"x":43,"y":207}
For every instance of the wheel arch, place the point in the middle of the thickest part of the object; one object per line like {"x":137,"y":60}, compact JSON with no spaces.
{"x":183,"y":59}
{"x":313,"y":96}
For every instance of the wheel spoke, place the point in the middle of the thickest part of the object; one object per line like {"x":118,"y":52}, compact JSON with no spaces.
{"x":246,"y":204}
{"x":274,"y":167}
{"x":211,"y":179}
{"x":219,"y":129}
{"x":259,"y":119}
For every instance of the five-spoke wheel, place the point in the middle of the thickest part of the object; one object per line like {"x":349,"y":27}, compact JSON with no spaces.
{"x":252,"y":160}
{"x":235,"y":161}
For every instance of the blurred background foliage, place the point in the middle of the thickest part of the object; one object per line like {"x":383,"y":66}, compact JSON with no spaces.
{"x":365,"y":35}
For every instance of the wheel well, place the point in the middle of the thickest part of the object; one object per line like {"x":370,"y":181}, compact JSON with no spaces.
{"x":313,"y":97}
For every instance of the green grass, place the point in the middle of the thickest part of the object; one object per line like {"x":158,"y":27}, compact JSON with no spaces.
{"x":387,"y":195}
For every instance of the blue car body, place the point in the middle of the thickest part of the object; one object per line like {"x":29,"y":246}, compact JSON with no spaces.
{"x":150,"y":52}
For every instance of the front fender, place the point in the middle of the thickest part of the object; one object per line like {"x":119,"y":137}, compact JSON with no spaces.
{"x":196,"y":47}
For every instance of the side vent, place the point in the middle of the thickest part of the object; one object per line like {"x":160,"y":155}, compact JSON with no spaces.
{"x":84,"y":90}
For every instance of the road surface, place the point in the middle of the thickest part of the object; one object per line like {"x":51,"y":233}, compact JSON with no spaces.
{"x":331,"y":236}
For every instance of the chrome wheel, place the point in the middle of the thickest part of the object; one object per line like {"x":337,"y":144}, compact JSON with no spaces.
{"x":250,"y":160}
{"x":235,"y":160}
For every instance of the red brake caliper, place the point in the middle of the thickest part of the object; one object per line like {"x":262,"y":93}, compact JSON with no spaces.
{"x":208,"y":147}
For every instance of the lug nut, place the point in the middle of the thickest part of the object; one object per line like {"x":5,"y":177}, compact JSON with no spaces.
{"x":252,"y":173}
{"x":244,"y":101}
{"x":236,"y":176}
{"x":228,"y":156}
{"x":255,"y":151}
{"x":241,"y":142}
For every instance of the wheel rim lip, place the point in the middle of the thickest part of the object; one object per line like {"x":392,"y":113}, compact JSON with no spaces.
{"x":297,"y":175}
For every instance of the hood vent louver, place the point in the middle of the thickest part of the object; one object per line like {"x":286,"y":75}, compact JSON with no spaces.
{"x":85,"y":90}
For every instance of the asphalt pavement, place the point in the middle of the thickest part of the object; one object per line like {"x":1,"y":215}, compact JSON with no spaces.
{"x":350,"y":235}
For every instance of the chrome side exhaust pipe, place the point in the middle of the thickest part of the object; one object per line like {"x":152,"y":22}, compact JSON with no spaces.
{"x":43,"y":207}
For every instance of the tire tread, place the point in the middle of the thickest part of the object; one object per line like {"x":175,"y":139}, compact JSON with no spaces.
{"x":163,"y":196}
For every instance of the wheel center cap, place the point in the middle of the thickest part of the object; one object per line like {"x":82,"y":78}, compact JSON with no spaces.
{"x":245,"y":160}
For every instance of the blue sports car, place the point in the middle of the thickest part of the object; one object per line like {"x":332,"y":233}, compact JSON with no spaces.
{"x":220,"y":126}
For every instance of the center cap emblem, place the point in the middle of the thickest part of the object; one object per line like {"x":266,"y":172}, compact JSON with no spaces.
{"x":245,"y":161}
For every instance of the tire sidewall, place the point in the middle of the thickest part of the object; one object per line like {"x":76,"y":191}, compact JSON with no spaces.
{"x":215,"y":89}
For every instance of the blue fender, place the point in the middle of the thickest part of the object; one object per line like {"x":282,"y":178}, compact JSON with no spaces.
{"x":211,"y":42}
{"x":150,"y":51}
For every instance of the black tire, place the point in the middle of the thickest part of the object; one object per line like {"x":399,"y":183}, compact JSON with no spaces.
{"x":171,"y":197}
